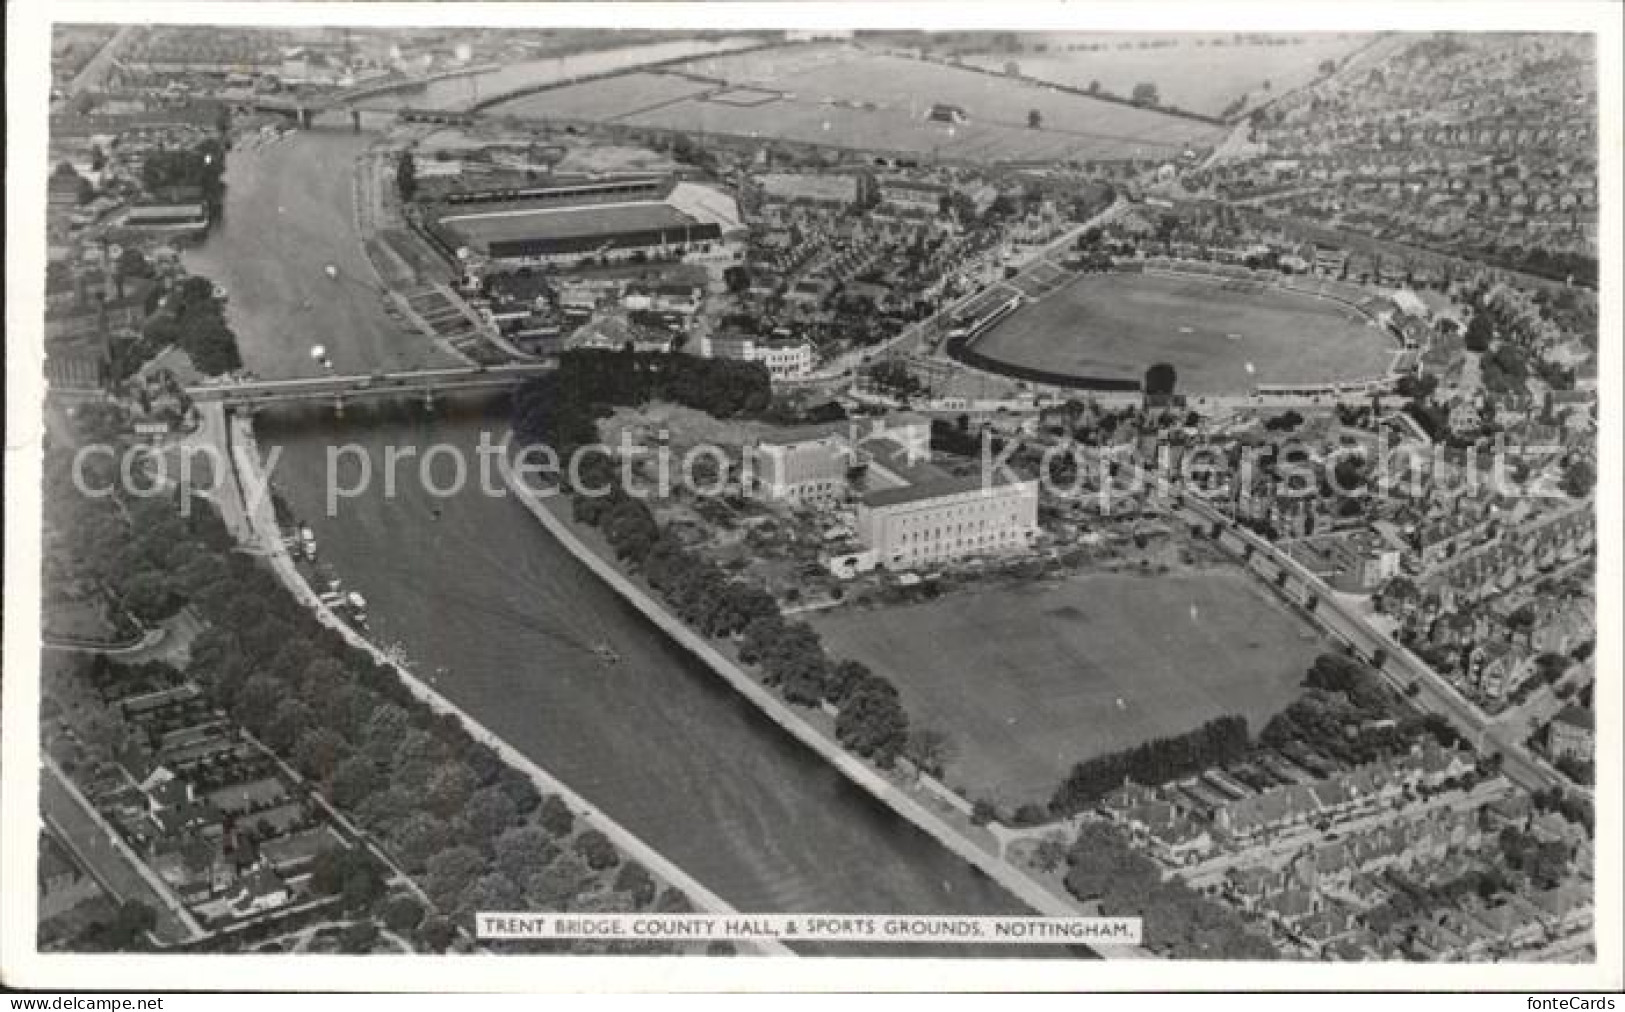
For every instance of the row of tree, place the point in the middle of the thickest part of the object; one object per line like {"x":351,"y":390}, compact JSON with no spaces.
{"x":445,"y":805}
{"x":559,"y":410}
{"x":1219,"y":742}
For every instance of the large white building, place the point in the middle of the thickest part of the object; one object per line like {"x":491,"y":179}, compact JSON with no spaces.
{"x":785,"y":359}
{"x":947,"y":519}
{"x":812,"y":463}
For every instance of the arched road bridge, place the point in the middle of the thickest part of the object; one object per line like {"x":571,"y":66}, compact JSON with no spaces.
{"x":425,"y":383}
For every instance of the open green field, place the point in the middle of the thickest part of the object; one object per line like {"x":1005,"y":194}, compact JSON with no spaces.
{"x":847,"y":97}
{"x":606,"y":99}
{"x":1198,"y":72}
{"x":1027,"y":680}
{"x":1222,"y":338}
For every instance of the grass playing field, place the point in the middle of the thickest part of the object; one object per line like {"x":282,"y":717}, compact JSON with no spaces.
{"x":1117,"y":325}
{"x":848,"y":97}
{"x":1200,"y":73}
{"x":1027,"y":680}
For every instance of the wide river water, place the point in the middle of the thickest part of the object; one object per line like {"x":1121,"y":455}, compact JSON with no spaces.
{"x":480,"y":597}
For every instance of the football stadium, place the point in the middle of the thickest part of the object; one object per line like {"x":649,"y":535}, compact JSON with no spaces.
{"x":570,"y":220}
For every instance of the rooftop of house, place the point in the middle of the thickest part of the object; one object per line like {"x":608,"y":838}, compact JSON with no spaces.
{"x":262,"y":881}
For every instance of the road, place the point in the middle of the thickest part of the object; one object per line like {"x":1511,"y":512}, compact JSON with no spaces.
{"x":91,"y":75}
{"x":1433,"y":692}
{"x":106,"y":856}
{"x":914,"y":331}
{"x":375,"y":384}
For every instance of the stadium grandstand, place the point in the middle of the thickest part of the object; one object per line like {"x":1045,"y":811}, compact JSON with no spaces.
{"x":571,"y":220}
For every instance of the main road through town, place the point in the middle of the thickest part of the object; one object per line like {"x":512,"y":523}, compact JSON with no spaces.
{"x":504,"y":620}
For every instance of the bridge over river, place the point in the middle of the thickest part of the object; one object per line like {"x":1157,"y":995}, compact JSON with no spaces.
{"x":425,"y":383}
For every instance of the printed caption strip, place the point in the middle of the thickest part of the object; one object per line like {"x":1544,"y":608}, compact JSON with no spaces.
{"x":812,"y":928}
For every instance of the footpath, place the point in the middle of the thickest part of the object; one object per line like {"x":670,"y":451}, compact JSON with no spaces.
{"x":261,"y":520}
{"x":1026,"y":888}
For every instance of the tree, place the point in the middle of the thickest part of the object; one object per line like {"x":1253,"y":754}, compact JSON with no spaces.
{"x":673,"y":901}
{"x":487,"y":813}
{"x":384,"y":810}
{"x":436,"y":932}
{"x":1161,"y":378}
{"x":1035,"y":119}
{"x":450,"y":787}
{"x":418,"y":838}
{"x":132,"y":263}
{"x":349,"y":871}
{"x":148,"y":596}
{"x":872,"y":723}
{"x":597,"y":850}
{"x":494,"y":891}
{"x":354,"y":780}
{"x":635,"y":881}
{"x":292,"y":717}
{"x":318,"y":752}
{"x":383,"y":732}
{"x":564,"y":878}
{"x":929,"y":749}
{"x":555,"y":816}
{"x":450,"y":872}
{"x":1050,"y":854}
{"x":403,"y":913}
{"x":1479,"y":332}
{"x":359,"y":938}
{"x":1145,"y":93}
{"x":406,"y":176}
{"x":523,"y":851}
{"x":1579,"y":478}
{"x":126,"y":931}
{"x":258,"y":700}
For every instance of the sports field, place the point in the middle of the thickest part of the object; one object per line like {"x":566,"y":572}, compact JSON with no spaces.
{"x":1221,"y":337}
{"x":845,"y":96}
{"x":1202,"y":73}
{"x":1026,"y":680}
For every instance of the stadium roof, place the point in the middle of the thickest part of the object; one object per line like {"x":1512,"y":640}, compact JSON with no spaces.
{"x":520,"y":223}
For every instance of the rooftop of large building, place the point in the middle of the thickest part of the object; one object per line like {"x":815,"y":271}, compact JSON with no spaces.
{"x":937,"y":489}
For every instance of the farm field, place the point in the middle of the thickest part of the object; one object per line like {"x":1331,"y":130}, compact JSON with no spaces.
{"x":1220,"y":338}
{"x":1193,"y":74}
{"x":1027,"y":680}
{"x":848,"y":97}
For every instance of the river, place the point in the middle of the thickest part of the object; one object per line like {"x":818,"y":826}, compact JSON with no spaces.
{"x":480,"y":597}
